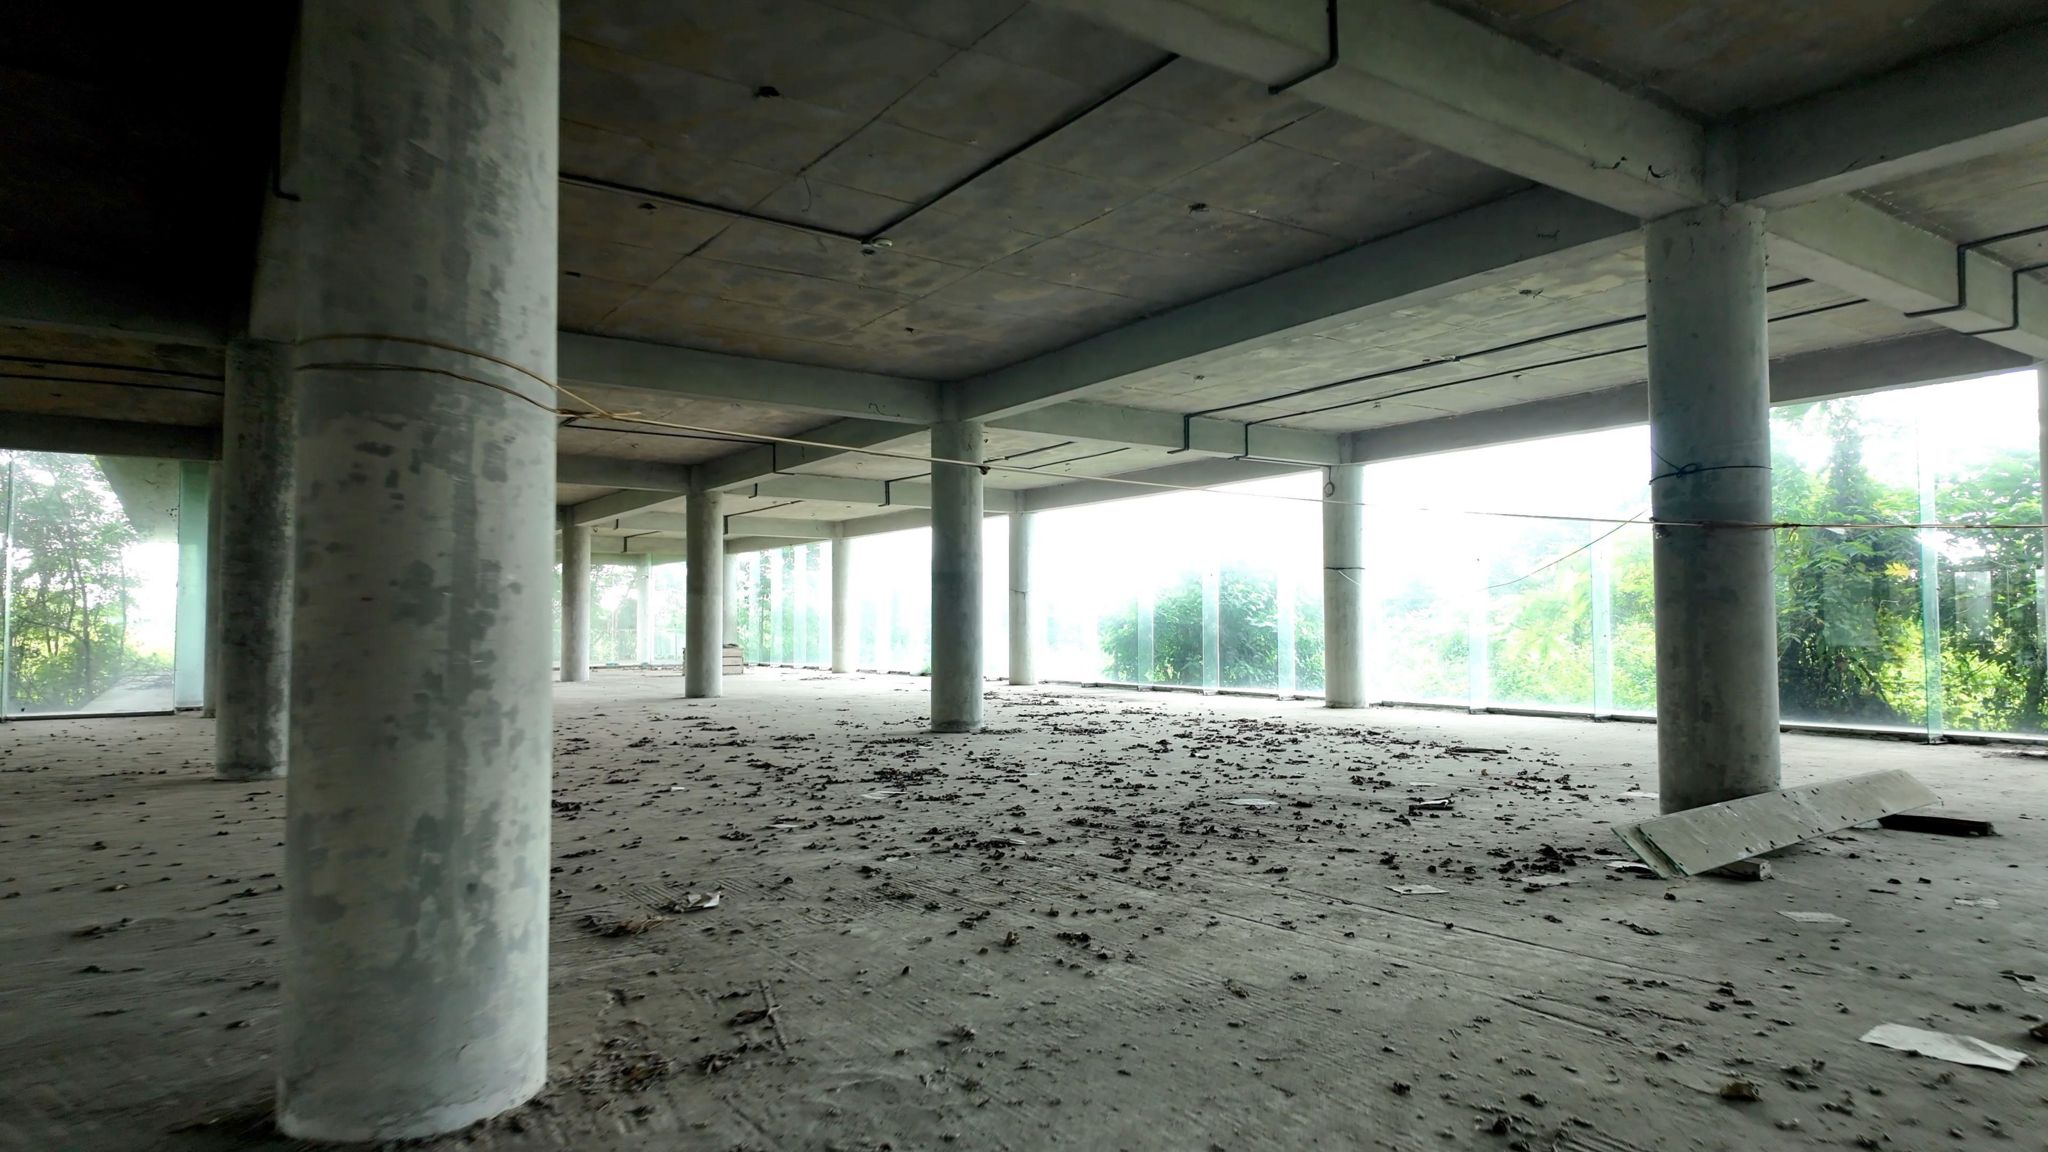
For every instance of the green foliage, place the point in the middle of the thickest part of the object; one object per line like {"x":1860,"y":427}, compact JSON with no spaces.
{"x":1849,"y":641}
{"x":68,"y":638}
{"x":1248,"y":636}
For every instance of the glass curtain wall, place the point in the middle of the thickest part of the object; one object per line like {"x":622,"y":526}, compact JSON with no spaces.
{"x":1894,"y":628}
{"x":1519,"y":575}
{"x":101,"y":609}
{"x":1218,"y":590}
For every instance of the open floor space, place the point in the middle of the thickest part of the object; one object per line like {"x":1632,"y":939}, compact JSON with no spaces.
{"x":1067,"y":931}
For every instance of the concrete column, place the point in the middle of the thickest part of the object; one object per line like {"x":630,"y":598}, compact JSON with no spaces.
{"x":1344,"y":587}
{"x":415,"y":966}
{"x":258,"y":426}
{"x":1710,"y":448}
{"x":575,"y":602}
{"x":956,"y":577}
{"x":704,"y":588}
{"x":1021,"y":620}
{"x":643,"y":614}
{"x":210,"y":686}
{"x":842,"y":616}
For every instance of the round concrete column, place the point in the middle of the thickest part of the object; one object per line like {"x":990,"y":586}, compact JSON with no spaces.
{"x":1020,"y":600}
{"x":1344,"y":587}
{"x":956,"y":577}
{"x":842,"y":618}
{"x":415,"y":963}
{"x":704,"y":591}
{"x":252,"y":705}
{"x":575,"y":602}
{"x":1710,"y":450}
{"x":209,"y":688}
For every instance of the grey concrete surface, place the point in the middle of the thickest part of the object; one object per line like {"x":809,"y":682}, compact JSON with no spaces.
{"x":705,"y":595}
{"x":1022,"y":619}
{"x":259,"y":432}
{"x":841,"y":613}
{"x":575,"y":659}
{"x":1710,"y":447}
{"x":956,"y":577}
{"x":1248,"y":979}
{"x":1344,"y":573}
{"x":415,"y":956}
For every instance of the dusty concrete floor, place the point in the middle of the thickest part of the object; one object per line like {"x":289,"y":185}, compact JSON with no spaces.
{"x":1061,"y":933}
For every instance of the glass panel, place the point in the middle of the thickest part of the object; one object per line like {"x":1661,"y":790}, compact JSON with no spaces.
{"x":92,"y":583}
{"x":189,"y":647}
{"x":667,"y":591}
{"x":1634,"y":615}
{"x":614,"y":613}
{"x":1849,"y":639}
{"x":1984,"y":458}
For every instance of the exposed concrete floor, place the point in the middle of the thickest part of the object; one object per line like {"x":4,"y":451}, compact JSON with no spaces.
{"x":1242,"y":978}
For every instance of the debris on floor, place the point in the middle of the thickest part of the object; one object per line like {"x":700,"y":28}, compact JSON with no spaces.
{"x":1945,"y":1046}
{"x":1743,"y":870}
{"x":1701,"y":839}
{"x":1935,"y":825}
{"x":1813,"y":917}
{"x":607,"y":924}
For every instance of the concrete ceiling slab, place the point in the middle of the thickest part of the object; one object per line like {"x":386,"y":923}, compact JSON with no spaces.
{"x":1126,"y":153}
{"x":1989,"y":197}
{"x":1721,"y":58}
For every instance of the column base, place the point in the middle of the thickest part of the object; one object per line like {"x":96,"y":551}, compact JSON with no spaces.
{"x":248,"y":772}
{"x":955,"y":727}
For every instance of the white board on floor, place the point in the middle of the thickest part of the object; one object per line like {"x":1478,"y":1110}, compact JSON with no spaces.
{"x":1701,"y":839}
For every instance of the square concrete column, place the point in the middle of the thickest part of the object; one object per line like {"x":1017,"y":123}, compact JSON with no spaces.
{"x":842,"y":617}
{"x":704,"y":592}
{"x":1344,"y":586}
{"x":1021,"y":620}
{"x":956,"y":576}
{"x":415,"y":957}
{"x":575,"y":601}
{"x":1710,"y":486}
{"x":254,"y":570}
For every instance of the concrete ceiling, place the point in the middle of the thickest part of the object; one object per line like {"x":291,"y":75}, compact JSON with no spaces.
{"x":1725,"y":58}
{"x":1029,"y":178}
{"x":960,"y":191}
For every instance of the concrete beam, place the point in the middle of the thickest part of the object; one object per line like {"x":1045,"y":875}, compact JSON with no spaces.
{"x":1446,"y":80}
{"x":59,"y":299}
{"x":847,"y":490}
{"x":1927,"y":358}
{"x":828,"y":442}
{"x":784,"y":527}
{"x":670,"y":371}
{"x":736,"y":544}
{"x":621,"y":549}
{"x":1946,"y":109}
{"x":902,"y":521}
{"x":611,"y":472}
{"x":1860,"y":248}
{"x":1151,"y":428}
{"x":1193,"y":474}
{"x":618,"y":505}
{"x":31,"y":432}
{"x":1513,"y":236}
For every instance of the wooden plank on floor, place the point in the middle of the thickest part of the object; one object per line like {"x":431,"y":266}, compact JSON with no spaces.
{"x":1701,"y":839}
